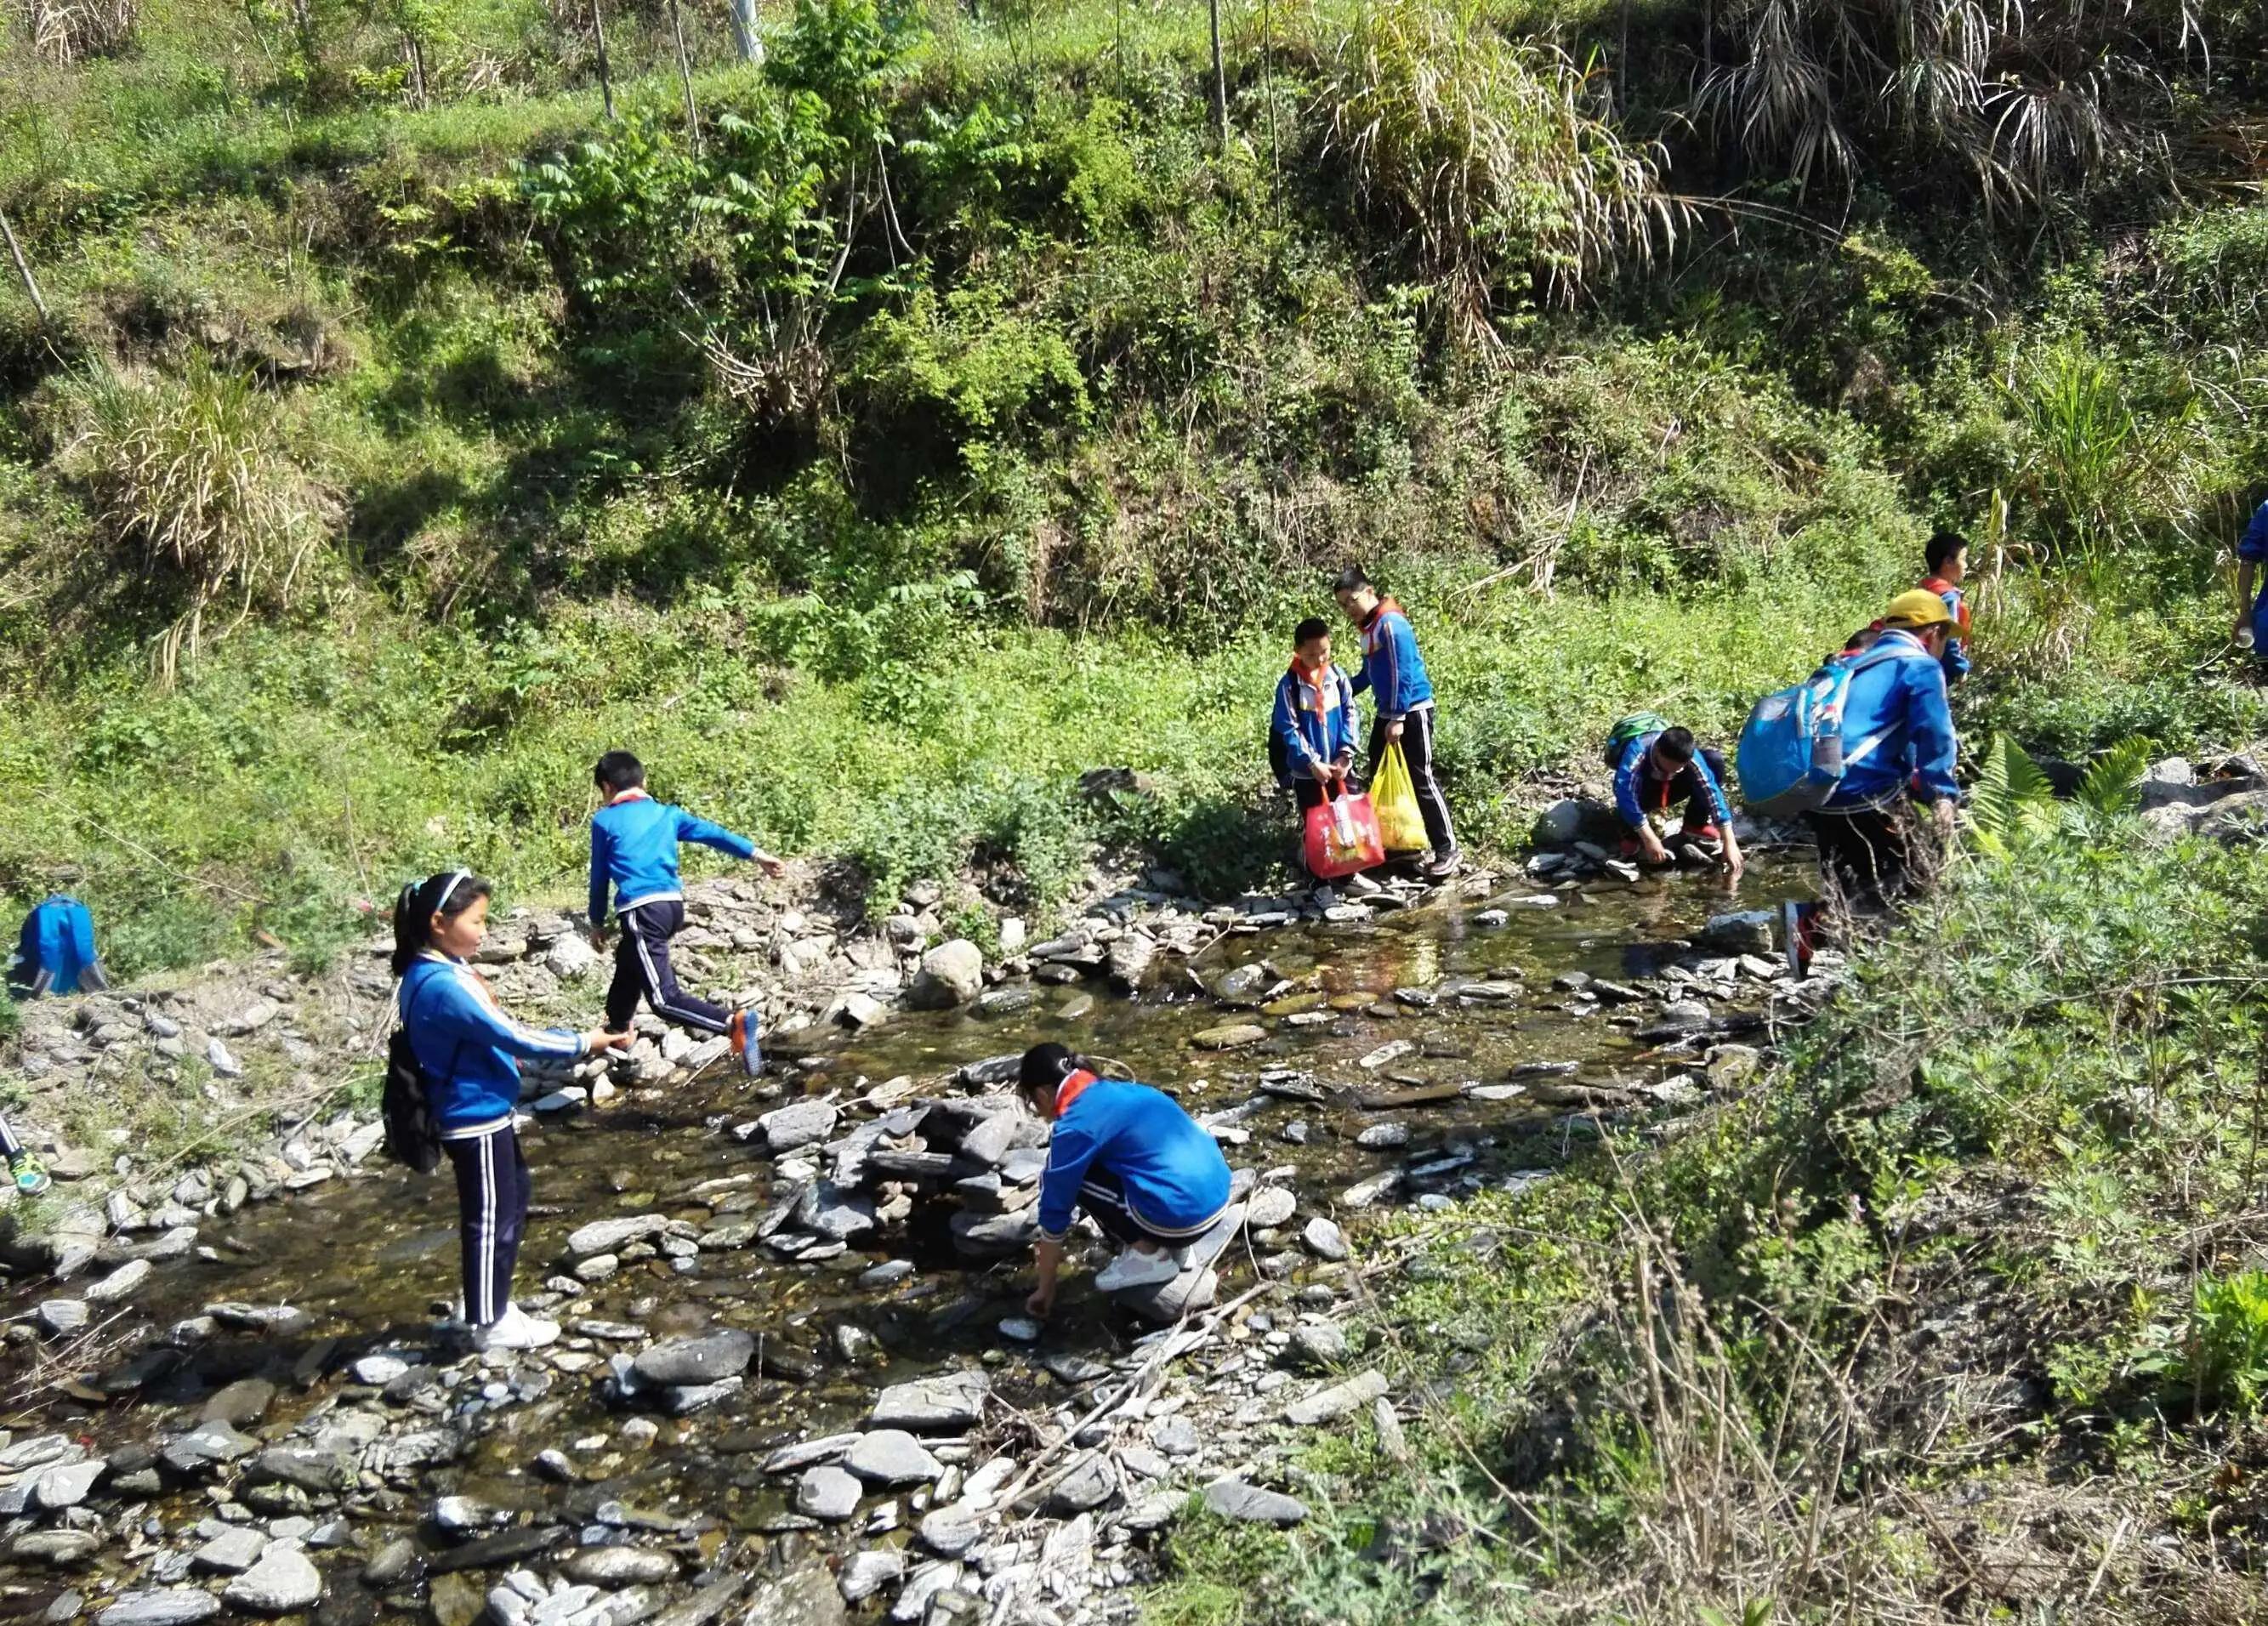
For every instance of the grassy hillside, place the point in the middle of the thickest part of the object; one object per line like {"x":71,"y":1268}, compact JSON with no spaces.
{"x":955,"y":412}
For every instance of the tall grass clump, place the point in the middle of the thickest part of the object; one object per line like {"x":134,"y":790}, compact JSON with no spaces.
{"x":2016,"y":104}
{"x":194,"y":485}
{"x":1489,"y":152}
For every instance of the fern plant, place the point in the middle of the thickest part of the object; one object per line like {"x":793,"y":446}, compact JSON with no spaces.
{"x":2014,"y":803}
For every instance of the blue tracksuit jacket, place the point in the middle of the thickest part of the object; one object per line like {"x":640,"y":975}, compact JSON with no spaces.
{"x":1174,"y":1176}
{"x":2254,"y":545}
{"x":1631,"y":771}
{"x":469,"y":1049}
{"x":634,"y":850}
{"x":1314,"y":721}
{"x":1897,"y":727}
{"x":1392,"y":669}
{"x":54,"y":953}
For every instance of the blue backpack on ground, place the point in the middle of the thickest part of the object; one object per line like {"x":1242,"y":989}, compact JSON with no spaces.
{"x":1791,"y":757}
{"x":54,"y":953}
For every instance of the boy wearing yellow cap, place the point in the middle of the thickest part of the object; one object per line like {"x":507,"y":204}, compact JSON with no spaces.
{"x":1898,"y":747}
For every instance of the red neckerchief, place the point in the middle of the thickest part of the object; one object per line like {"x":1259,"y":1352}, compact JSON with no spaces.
{"x":1380,"y":608}
{"x":1071,"y":1089}
{"x":635,"y":793}
{"x":1299,"y":675}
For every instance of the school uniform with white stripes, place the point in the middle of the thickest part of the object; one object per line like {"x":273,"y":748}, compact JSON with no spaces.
{"x":1130,"y":1157}
{"x":470,"y":1051}
{"x":634,"y":841}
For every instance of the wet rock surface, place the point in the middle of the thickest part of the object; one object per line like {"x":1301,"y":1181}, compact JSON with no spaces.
{"x":778,"y":1340}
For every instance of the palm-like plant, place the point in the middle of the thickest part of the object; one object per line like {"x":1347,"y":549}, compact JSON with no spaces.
{"x":2021,"y":99}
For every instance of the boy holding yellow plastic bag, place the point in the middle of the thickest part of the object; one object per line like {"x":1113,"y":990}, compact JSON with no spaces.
{"x":1402,"y":728}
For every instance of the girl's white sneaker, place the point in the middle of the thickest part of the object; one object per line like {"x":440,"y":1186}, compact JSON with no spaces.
{"x":515,"y":1329}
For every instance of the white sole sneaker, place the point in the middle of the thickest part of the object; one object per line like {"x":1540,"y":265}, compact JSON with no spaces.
{"x":515,"y":1329}
{"x":1133,"y":1269}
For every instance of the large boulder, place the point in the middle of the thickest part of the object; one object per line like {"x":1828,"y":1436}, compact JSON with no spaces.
{"x":951,"y":974}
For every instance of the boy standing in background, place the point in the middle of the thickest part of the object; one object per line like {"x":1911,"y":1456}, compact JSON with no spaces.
{"x":1395,"y":674}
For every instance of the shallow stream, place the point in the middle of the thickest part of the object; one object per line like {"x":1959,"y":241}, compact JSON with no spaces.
{"x":370,"y":1258}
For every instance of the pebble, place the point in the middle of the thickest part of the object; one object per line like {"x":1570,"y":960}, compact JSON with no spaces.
{"x":60,"y":1317}
{"x":1324,"y":1240}
{"x":828,"y":1493}
{"x":1019,"y":1328}
{"x":891,"y":1458}
{"x":866,"y":1574}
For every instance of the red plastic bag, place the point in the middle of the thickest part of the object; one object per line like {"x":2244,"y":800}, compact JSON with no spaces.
{"x":1341,"y":837}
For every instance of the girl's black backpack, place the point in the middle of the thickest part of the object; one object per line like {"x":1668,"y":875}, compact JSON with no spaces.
{"x":413,"y":1136}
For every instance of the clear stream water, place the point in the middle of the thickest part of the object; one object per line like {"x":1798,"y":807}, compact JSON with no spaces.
{"x":371,"y":1257}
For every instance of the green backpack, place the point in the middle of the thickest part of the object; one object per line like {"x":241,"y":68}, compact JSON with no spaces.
{"x":1629,"y":728}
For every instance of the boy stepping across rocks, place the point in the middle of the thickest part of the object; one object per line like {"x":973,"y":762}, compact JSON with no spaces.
{"x":634,"y":842}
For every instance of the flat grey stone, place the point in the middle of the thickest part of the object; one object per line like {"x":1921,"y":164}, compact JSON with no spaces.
{"x":952,"y":1531}
{"x":63,"y":1549}
{"x":282,"y":1583}
{"x":704,"y":1360}
{"x":891,"y":1458}
{"x":1233,"y":1498}
{"x":119,"y":1283}
{"x":168,"y":1605}
{"x":948,"y":1402}
{"x":231,"y":1552}
{"x":798,"y":1125}
{"x":608,"y":1236}
{"x":1336,"y":1402}
{"x":59,"y":1318}
{"x":67,"y":1484}
{"x":827,"y":1493}
{"x":619,"y":1566}
{"x":810,"y":1453}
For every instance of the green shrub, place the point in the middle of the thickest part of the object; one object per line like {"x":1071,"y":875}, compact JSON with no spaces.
{"x":194,"y":485}
{"x":2227,"y":1350}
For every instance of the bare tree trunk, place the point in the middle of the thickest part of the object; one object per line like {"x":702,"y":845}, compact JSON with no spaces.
{"x":606,"y":74}
{"x":414,"y":53}
{"x":743,"y":13}
{"x":1219,"y":78}
{"x":24,"y":268}
{"x":685,"y":79}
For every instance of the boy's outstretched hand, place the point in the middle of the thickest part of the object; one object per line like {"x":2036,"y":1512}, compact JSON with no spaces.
{"x":771,"y":867}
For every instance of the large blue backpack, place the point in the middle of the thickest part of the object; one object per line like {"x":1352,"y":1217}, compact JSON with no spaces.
{"x":55,"y":951}
{"x":1792,"y":755}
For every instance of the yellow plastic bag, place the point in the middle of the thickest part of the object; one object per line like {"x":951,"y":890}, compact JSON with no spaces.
{"x":1400,"y":825}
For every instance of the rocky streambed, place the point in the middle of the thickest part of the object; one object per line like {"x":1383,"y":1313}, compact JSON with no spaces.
{"x":797,"y":1379}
